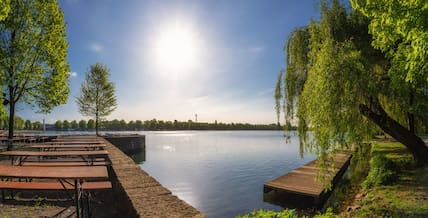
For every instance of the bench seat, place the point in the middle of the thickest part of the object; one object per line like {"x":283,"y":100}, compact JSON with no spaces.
{"x":98,"y":159}
{"x":64,"y":163}
{"x":52,"y":185}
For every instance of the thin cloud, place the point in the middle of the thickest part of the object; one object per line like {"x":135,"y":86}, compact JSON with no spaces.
{"x":73,"y":74}
{"x":256,"y":49}
{"x":198,"y":99}
{"x":96,"y":47}
{"x":72,"y":2}
{"x":265,"y":92}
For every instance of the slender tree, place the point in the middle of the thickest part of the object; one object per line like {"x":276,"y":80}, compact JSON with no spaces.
{"x":139,"y":125}
{"x":37,"y":125}
{"x":130,"y":125}
{"x":58,"y":125}
{"x":91,"y":124}
{"x":28,"y":125}
{"x":82,"y":124}
{"x":19,"y":123}
{"x":74,"y":125}
{"x":65,"y":125}
{"x":33,"y":51}
{"x":97,"y":98}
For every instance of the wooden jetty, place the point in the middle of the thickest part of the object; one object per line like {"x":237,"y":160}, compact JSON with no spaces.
{"x":302,"y":181}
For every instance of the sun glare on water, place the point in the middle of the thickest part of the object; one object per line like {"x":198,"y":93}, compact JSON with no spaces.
{"x":177,"y":49}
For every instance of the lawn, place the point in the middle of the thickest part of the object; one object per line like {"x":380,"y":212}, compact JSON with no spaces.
{"x":407,"y":196}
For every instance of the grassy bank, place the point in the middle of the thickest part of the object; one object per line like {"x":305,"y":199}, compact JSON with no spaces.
{"x":397,"y":188}
{"x":394,"y":187}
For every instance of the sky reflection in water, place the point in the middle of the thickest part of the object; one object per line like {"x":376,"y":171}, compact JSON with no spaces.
{"x":221,"y":173}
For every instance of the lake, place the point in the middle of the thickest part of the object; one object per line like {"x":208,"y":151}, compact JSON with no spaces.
{"x":221,"y":173}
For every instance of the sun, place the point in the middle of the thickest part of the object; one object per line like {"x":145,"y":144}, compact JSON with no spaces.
{"x":177,"y":49}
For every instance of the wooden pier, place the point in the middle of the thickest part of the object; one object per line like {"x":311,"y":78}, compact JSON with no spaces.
{"x":302,"y":181}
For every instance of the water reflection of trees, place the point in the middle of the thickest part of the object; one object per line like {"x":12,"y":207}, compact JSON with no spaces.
{"x":350,"y":184}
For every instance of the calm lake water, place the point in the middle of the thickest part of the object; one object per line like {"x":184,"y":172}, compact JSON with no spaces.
{"x":221,"y":173}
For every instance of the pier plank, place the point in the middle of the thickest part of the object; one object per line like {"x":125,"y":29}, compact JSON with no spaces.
{"x":302,"y":181}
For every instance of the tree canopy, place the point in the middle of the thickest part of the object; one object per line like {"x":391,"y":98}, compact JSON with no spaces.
{"x":4,"y":9}
{"x":33,"y":51}
{"x":336,"y":82}
{"x":97,"y":98}
{"x":400,"y":29}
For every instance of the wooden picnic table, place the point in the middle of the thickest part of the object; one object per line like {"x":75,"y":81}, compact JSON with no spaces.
{"x":21,"y":156}
{"x":78,"y":174}
{"x":73,"y":142}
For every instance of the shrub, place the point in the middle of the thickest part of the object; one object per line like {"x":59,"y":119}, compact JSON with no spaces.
{"x":270,"y":214}
{"x":405,"y":163}
{"x":382,"y":172}
{"x":288,"y":213}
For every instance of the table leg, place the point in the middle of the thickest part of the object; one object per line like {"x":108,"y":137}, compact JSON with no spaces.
{"x":77,"y":197}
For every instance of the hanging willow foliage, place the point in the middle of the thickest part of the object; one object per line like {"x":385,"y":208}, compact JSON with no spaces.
{"x":336,"y":82}
{"x":296,"y":73}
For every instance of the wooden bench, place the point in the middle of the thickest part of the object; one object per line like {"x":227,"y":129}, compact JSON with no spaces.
{"x":12,"y":185}
{"x":55,"y":178}
{"x":19,"y":156}
{"x":50,"y":186}
{"x":98,"y":159}
{"x":64,"y":163}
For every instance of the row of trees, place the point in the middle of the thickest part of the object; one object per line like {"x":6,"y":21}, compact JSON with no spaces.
{"x":122,"y":125}
{"x":357,"y":71}
{"x":20,"y":124}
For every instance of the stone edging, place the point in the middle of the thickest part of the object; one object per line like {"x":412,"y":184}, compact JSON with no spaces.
{"x":137,"y":194}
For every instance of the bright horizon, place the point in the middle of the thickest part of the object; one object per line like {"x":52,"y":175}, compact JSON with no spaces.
{"x":170,"y":60}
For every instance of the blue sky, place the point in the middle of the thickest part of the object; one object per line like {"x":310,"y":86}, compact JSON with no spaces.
{"x":174,"y":59}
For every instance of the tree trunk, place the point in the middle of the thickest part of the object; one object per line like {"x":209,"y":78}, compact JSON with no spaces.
{"x":411,"y":121}
{"x":96,"y":120}
{"x":11,"y":124}
{"x":413,"y":143}
{"x":411,"y":116}
{"x":425,"y":121}
{"x":96,"y":125}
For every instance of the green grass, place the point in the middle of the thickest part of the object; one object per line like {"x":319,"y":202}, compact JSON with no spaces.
{"x":288,"y":213}
{"x":406,"y":197}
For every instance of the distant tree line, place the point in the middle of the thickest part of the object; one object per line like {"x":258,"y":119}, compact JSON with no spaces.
{"x":136,"y":125}
{"x":21,"y":124}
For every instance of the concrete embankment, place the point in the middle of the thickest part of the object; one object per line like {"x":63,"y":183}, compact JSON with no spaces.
{"x":138,"y":194}
{"x":128,"y":144}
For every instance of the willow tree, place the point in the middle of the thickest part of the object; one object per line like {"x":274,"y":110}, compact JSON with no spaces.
{"x":341,"y":87}
{"x":33,"y":51}
{"x":97,"y":98}
{"x":400,"y":30}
